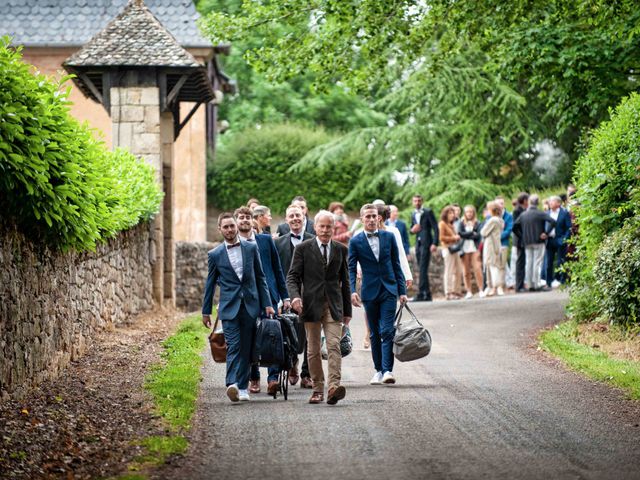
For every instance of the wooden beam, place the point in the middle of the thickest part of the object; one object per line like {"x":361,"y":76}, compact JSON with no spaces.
{"x":87,"y":81}
{"x":186,"y":119}
{"x":162,"y":85}
{"x":173,"y":94}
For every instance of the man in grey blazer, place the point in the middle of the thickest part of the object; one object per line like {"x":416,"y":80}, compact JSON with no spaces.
{"x":235,"y":266}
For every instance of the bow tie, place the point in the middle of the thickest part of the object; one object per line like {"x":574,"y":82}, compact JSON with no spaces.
{"x":229,"y":247}
{"x":299,"y":237}
{"x":371,"y":235}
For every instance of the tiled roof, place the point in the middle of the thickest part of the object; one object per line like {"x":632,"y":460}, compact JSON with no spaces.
{"x":75,"y":22}
{"x":134,"y":37}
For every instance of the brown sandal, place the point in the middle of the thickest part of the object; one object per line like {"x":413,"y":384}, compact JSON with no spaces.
{"x":317,"y":397}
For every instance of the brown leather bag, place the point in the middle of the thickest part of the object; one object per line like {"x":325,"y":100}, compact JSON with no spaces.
{"x":218,"y":344}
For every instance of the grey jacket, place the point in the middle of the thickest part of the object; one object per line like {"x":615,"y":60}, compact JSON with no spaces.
{"x":531,"y":224}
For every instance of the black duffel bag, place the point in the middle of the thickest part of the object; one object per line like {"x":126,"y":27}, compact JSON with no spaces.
{"x":299,"y":326}
{"x":268,"y":345}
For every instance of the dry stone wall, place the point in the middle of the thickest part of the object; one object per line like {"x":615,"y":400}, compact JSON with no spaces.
{"x":52,"y":303}
{"x":191,"y":274}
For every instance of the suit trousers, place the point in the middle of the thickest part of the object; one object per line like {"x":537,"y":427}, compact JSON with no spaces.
{"x":238,"y":333}
{"x":520,"y":266}
{"x":534,"y":258}
{"x":380,"y":317}
{"x":333,"y":334}
{"x":556,"y":256}
{"x":424,"y":260}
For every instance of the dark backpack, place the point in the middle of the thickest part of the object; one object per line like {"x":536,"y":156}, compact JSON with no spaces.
{"x":268,"y":345}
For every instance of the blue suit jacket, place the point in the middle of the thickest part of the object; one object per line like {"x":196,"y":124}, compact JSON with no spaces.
{"x":377,"y":275}
{"x":563,"y":228}
{"x":252,"y":289}
{"x":272,"y":269}
{"x":508,"y":228}
{"x":404,"y":233}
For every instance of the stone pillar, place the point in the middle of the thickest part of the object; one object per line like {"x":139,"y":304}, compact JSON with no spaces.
{"x":136,"y":117}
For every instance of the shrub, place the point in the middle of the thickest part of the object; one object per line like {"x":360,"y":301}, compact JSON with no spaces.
{"x":617,"y":268}
{"x":608,"y":180}
{"x":57,"y":182}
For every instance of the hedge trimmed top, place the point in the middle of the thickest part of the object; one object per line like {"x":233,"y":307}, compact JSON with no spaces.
{"x":59,"y":184}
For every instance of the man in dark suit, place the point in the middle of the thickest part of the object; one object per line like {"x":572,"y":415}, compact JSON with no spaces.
{"x":235,"y":266}
{"x":425,"y":227}
{"x":394,"y":221}
{"x":382,"y":284}
{"x":521,"y":206}
{"x":319,"y":285}
{"x":557,"y":242}
{"x":307,"y":223}
{"x":275,"y":282}
{"x":286,"y":245}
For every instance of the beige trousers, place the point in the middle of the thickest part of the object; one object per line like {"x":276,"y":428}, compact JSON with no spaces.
{"x":452,"y":273}
{"x":333,"y":334}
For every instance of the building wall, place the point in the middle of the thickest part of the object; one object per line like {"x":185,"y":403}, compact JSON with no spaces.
{"x":190,"y":213}
{"x":53,"y":303}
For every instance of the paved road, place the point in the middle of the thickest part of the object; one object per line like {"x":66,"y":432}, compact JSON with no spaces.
{"x":484,"y":404}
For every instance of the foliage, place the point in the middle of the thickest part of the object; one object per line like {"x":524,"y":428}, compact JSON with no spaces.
{"x":262,"y":163}
{"x":617,"y":267}
{"x":175,"y":382}
{"x":567,"y":62}
{"x":561,"y":342}
{"x":608,"y":181}
{"x":57,"y":182}
{"x":260,"y":101}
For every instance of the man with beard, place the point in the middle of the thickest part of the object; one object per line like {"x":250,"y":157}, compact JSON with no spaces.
{"x":286,"y":245}
{"x":235,"y":267}
{"x":275,"y":282}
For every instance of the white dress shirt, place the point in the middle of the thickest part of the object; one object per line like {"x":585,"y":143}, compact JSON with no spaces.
{"x":374,"y":243}
{"x":321,"y":249}
{"x":235,"y":258}
{"x":296,"y":241}
{"x":554,"y":214}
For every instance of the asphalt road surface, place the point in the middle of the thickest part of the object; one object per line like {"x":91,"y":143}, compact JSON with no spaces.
{"x":484,"y":404}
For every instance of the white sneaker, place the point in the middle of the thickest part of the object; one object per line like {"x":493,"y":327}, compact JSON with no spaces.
{"x":482,"y":294}
{"x":555,"y":284}
{"x":244,"y":395}
{"x":388,"y":378}
{"x":233,"y":393}
{"x":500,"y":291}
{"x":468,"y":295}
{"x":376,"y":379}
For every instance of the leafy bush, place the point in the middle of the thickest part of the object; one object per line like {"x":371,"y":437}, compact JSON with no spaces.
{"x":608,"y":180}
{"x":617,"y":268}
{"x":57,"y":182}
{"x":262,"y":163}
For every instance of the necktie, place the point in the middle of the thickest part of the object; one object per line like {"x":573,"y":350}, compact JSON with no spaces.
{"x":299,"y":237}
{"x":324,"y":254}
{"x":371,"y":235}
{"x":229,"y":247}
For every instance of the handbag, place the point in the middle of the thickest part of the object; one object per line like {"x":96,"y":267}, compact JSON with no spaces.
{"x":218,"y":344}
{"x":412,"y":340}
{"x":456,"y":247}
{"x":346,"y":344}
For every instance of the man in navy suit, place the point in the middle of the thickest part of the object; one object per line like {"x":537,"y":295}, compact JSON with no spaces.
{"x":394,"y":221}
{"x":275,"y":282}
{"x":235,"y":266}
{"x":382,"y":284}
{"x":557,"y":242}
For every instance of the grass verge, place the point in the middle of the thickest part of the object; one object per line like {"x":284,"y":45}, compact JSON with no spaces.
{"x":173,"y":384}
{"x":561,"y":341}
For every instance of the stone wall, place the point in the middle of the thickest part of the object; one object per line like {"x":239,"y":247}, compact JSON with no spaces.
{"x":191,"y":274}
{"x":52,"y":303}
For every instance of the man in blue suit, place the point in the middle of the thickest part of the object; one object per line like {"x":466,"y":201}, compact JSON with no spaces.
{"x":556,"y":249}
{"x":394,"y":221}
{"x":235,"y":266}
{"x":275,"y":282}
{"x":382,"y":284}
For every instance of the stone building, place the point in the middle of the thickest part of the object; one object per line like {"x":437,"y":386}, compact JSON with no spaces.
{"x":53,"y":30}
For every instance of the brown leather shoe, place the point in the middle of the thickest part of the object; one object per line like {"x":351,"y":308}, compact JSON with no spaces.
{"x":306,"y":383}
{"x":317,"y":397}
{"x":254,"y":386}
{"x":336,"y":394}
{"x":294,"y":376}
{"x":272,"y":388}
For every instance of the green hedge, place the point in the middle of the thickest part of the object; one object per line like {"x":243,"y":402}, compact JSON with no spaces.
{"x":608,"y":180}
{"x":260,"y":163}
{"x":57,"y":182}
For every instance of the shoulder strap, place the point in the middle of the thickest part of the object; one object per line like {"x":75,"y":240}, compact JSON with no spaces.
{"x":215,"y":324}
